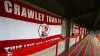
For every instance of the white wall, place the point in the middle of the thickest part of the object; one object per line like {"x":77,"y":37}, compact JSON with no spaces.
{"x":82,"y":36}
{"x":61,"y":47}
{"x":47,"y":52}
{"x":12,"y":29}
{"x":78,"y":38}
{"x":72,"y":42}
{"x":51,"y":51}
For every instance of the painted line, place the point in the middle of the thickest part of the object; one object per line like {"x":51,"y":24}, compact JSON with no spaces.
{"x":98,"y":50}
{"x":77,"y":50}
{"x":86,"y":48}
{"x":82,"y":51}
{"x":88,"y":39}
{"x":76,"y":47}
{"x":92,"y":50}
{"x":81,"y":48}
{"x":95,"y":50}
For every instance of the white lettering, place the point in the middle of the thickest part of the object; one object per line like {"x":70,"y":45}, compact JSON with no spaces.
{"x":7,"y":5}
{"x":39,"y":16}
{"x":24,"y":45}
{"x":33,"y":44}
{"x":36,"y":16}
{"x":53,"y":20}
{"x":16,"y":9}
{"x":30,"y":14}
{"x":28,"y":45}
{"x":20,"y":46}
{"x":17,"y":47}
{"x":23,"y":12}
{"x":47,"y":18}
{"x":13,"y":47}
{"x":50,"y":19}
{"x":58,"y":20}
{"x":42,"y":17}
{"x":7,"y":49}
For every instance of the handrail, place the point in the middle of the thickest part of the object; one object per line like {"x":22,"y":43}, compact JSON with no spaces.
{"x":34,"y":49}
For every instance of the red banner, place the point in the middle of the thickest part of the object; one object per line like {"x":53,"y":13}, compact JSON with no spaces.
{"x":76,"y":30}
{"x":82,"y":30}
{"x":14,"y":11}
{"x":10,"y":45}
{"x":17,"y":10}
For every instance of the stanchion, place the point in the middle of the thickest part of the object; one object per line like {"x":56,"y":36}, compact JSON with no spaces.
{"x":56,"y":49}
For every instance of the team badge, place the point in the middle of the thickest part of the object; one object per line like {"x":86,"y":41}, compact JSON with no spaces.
{"x":43,"y":30}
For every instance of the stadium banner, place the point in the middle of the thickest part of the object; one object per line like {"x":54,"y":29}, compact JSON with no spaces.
{"x":23,"y":26}
{"x":76,"y":29}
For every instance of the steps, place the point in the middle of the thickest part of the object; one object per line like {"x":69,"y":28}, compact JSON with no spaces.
{"x":90,"y":46}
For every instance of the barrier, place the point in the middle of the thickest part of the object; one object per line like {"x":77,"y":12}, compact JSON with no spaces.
{"x":30,"y":22}
{"x":34,"y":49}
